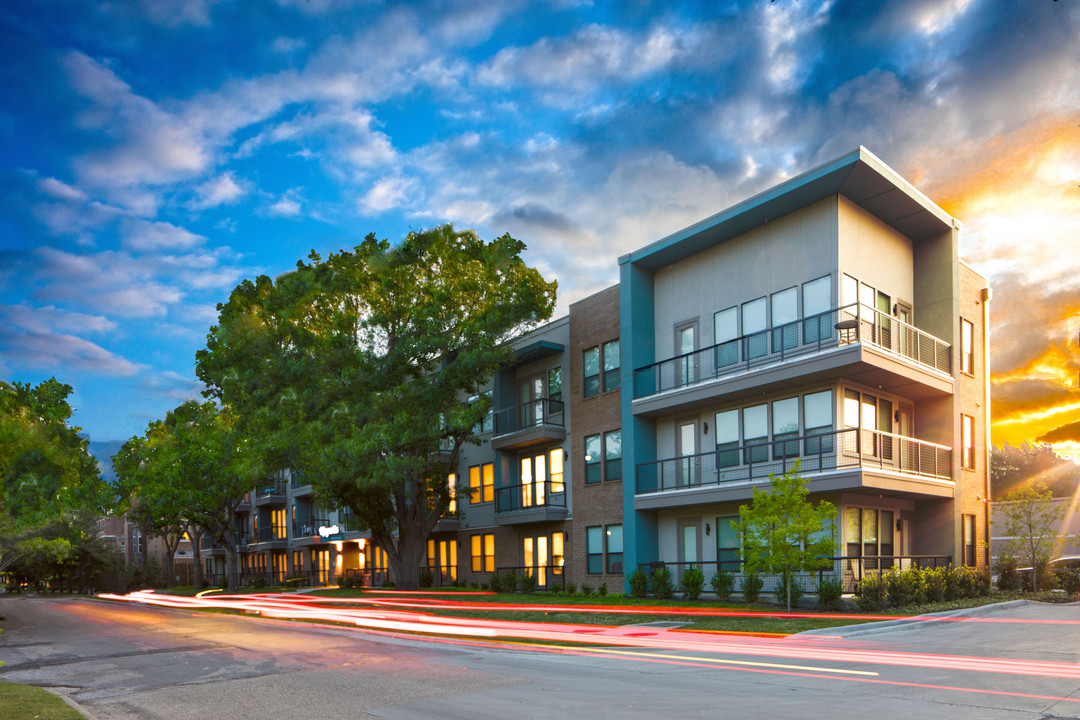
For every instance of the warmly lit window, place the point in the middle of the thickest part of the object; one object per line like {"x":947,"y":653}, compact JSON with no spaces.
{"x":594,"y":550}
{"x":482,"y":483}
{"x":611,"y":365}
{"x":593,"y":464}
{"x":592,"y":372}
{"x":967,"y":347}
{"x":614,"y":536}
{"x":277,"y":518}
{"x":479,"y":563}
{"x":613,"y":455}
{"x":967,"y":429}
{"x":555,"y":467}
{"x":451,"y":482}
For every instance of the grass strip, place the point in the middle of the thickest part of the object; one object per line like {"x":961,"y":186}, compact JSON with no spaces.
{"x":26,"y":702}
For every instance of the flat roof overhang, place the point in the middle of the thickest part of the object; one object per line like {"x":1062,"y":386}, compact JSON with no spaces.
{"x":859,"y":176}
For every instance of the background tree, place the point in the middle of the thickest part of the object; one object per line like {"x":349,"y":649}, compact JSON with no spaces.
{"x":1030,"y":514}
{"x":45,"y":468}
{"x":783,"y":532}
{"x":1013,"y":467}
{"x":191,"y":469}
{"x":356,"y":370}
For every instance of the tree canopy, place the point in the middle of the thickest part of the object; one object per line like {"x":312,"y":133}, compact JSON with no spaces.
{"x":783,"y":532}
{"x":1011,"y":468}
{"x":190,"y":469}
{"x":1030,"y":514}
{"x":356,"y":369}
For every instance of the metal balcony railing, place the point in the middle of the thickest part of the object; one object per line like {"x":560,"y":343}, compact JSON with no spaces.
{"x":270,"y":488}
{"x":272,"y":534}
{"x":309,"y":528}
{"x":834,"y":450}
{"x":835,"y":328}
{"x":532,"y":495}
{"x":536,"y":413}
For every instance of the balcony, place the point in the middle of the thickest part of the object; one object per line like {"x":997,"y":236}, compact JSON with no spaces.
{"x":532,"y":423}
{"x":854,"y":341}
{"x":307,"y":529}
{"x":300,"y":485}
{"x":274,"y":536}
{"x":533,"y":502}
{"x":849,"y":459}
{"x":272,"y":492}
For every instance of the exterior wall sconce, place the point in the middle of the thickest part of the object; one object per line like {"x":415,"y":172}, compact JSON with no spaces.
{"x":706,"y":426}
{"x":707,"y":528}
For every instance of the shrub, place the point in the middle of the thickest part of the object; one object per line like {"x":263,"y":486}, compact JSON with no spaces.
{"x":571,"y":589}
{"x":527,"y":583}
{"x":980,"y":581}
{"x":1007,"y":576}
{"x":872,"y":592}
{"x":602,"y":590}
{"x":662,"y":588}
{"x":904,"y":587}
{"x":586,"y":589}
{"x":829,"y":593}
{"x":1069,"y":579}
{"x":955,"y":582}
{"x":797,"y":589}
{"x":496,"y":582}
{"x":425,"y":578}
{"x":936,"y":581}
{"x":723,"y":584}
{"x":693,"y":580}
{"x":751,"y":586}
{"x":639,"y":583}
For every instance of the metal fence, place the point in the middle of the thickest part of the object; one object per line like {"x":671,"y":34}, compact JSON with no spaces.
{"x":536,"y":413}
{"x":834,"y":450}
{"x":838,"y":327}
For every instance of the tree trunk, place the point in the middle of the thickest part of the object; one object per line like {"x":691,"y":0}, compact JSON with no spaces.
{"x":195,"y":534}
{"x":405,"y":562}
{"x":232,"y":573}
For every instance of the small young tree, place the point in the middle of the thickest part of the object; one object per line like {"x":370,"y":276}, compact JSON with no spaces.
{"x":1030,"y":514}
{"x":783,"y":532}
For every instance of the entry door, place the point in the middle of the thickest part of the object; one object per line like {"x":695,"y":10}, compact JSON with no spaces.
{"x":689,"y":541}
{"x":532,"y":404}
{"x":686,"y":367}
{"x":537,"y":559}
{"x":688,"y":470}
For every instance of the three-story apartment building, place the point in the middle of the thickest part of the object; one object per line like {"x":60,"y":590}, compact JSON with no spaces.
{"x":828,"y":321}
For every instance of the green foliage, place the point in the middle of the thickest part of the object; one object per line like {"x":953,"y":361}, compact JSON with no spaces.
{"x":528,"y":583}
{"x":873,"y":593}
{"x":571,"y":589}
{"x":936,"y":582}
{"x":905,"y":587}
{"x":1007,"y":577}
{"x":692,"y":583}
{"x":1030,"y":515}
{"x":601,"y":590}
{"x":790,"y":589}
{"x":1014,"y":468}
{"x":638,"y":582}
{"x":783,"y":532}
{"x":586,"y":590}
{"x":830,"y":591}
{"x":751,"y":586}
{"x":1069,"y":580}
{"x":723,"y":584}
{"x":426,"y":580}
{"x":46,"y":470}
{"x":356,"y":369}
{"x":662,"y":587}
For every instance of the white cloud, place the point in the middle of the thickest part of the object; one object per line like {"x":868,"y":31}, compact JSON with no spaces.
{"x":221,"y":190}
{"x":28,"y":349}
{"x":48,"y":319}
{"x":151,"y":236}
{"x":288,"y":205}
{"x":389,"y":193}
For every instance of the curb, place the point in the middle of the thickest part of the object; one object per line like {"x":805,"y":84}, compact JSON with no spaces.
{"x":917,"y":621}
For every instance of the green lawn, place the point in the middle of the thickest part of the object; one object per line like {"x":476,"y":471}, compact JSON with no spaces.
{"x":25,"y":702}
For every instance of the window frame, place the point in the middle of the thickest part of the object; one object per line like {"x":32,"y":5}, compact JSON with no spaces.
{"x":484,"y":560}
{"x":591,"y":382}
{"x":967,"y":442}
{"x":967,"y":347}
{"x":609,"y":555}
{"x":482,"y":488}
{"x":594,"y":532}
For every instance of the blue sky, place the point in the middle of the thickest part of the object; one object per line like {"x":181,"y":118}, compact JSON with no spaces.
{"x":156,"y":152}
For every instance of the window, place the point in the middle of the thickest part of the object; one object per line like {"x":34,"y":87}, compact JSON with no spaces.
{"x":727,"y":438}
{"x":686,"y":361}
{"x":868,"y":533}
{"x":451,"y":482}
{"x":555,"y":466}
{"x":613,"y":455}
{"x":541,"y":474}
{"x":816,"y":304}
{"x":754,"y":324}
{"x":969,"y":540}
{"x":756,"y":433}
{"x":603,"y":457}
{"x":592,"y":372}
{"x":726,"y":336}
{"x":785,"y":428}
{"x":785,"y":313}
{"x":967,"y":431}
{"x":482,"y":483}
{"x":614,"y":548}
{"x":611,"y":366}
{"x":593,"y":464}
{"x":818,"y":421}
{"x":555,"y":384}
{"x":727,"y":543}
{"x":541,"y":554}
{"x":487,"y":422}
{"x":967,"y":347}
{"x":594,"y":550}
{"x":483,"y":553}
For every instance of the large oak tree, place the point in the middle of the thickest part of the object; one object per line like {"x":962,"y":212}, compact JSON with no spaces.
{"x":357,"y":369}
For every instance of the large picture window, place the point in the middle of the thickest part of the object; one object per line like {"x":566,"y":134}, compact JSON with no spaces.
{"x":482,"y":483}
{"x":483,"y":553}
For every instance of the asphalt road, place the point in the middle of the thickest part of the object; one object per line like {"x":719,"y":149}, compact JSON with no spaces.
{"x":127,"y":661}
